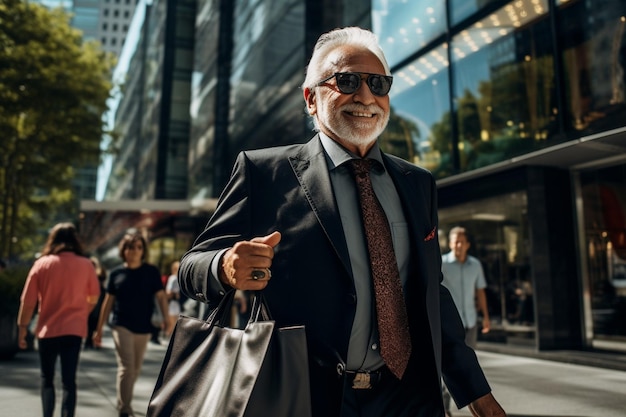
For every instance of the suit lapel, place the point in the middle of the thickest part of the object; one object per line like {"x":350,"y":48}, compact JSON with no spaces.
{"x":311,"y":169}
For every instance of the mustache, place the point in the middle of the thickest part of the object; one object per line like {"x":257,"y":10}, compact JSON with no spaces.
{"x":354,"y":107}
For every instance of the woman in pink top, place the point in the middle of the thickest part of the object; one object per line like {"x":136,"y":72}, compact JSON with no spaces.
{"x":64,"y":284}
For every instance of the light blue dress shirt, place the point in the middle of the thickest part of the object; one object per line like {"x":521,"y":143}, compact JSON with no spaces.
{"x":462,"y":280}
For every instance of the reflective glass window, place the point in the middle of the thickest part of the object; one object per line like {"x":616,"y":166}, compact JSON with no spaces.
{"x":593,"y":45}
{"x":462,"y":9}
{"x":504,"y":84}
{"x":419,"y":125}
{"x":405,"y":26}
{"x":604,"y":219}
{"x":204,"y":92}
{"x":499,"y":235}
{"x":267,"y":68}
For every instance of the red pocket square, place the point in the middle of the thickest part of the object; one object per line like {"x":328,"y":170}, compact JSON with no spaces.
{"x":431,"y":235}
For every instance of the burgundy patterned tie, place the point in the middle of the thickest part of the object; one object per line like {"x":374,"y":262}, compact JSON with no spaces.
{"x":393,"y":325}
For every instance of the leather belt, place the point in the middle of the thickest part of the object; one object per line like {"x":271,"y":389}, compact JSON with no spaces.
{"x":361,"y":379}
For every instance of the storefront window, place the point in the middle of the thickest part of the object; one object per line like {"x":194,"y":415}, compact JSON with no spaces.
{"x":403,"y":26}
{"x":419,"y":125}
{"x":504,"y":84}
{"x":499,"y":238}
{"x":604,"y":213}
{"x":593,"y":40}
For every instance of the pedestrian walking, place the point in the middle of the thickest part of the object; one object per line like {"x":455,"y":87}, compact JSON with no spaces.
{"x":464,"y":277}
{"x":64,"y":286}
{"x":131,"y":292}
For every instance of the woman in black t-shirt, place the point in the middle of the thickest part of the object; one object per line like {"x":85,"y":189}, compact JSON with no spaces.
{"x":131,"y":291}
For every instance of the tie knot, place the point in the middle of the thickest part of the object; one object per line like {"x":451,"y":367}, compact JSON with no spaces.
{"x":361,"y":166}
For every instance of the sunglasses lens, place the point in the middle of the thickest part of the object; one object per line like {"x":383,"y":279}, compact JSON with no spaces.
{"x":379,"y":84}
{"x":348,"y":83}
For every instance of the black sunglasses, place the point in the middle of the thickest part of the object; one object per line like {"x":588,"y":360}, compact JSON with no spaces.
{"x":350,"y":82}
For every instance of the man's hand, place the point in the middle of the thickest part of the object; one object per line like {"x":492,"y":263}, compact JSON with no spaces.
{"x":486,"y":325}
{"x":486,"y":406}
{"x":239,"y":262}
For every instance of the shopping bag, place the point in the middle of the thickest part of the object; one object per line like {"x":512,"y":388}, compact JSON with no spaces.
{"x":212,"y":370}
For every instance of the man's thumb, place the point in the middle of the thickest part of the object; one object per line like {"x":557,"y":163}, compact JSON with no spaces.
{"x":272,"y":239}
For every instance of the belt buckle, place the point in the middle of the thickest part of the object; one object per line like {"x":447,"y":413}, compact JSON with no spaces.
{"x":362,"y":380}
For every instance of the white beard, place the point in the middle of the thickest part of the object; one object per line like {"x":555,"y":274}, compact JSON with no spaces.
{"x":352,"y":131}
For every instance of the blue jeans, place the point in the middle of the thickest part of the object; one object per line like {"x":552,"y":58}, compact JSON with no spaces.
{"x":68,"y":349}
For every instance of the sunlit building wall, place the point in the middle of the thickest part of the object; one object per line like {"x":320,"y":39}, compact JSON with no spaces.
{"x":517,"y":107}
{"x":152,"y":109}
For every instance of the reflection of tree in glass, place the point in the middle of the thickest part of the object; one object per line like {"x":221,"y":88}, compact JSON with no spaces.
{"x":442,"y":143}
{"x":398,"y":137}
{"x":505,"y":117}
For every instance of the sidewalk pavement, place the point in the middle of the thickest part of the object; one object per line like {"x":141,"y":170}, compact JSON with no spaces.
{"x":524,"y":386}
{"x":20,"y":381}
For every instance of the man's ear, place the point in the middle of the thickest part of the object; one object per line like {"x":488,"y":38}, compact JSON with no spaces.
{"x":309,"y":98}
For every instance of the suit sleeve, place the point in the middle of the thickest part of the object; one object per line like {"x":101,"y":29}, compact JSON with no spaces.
{"x":462,"y":373}
{"x":229,"y":224}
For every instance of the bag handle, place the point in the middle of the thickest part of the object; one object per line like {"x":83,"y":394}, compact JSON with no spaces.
{"x":259,"y":310}
{"x":217,"y":314}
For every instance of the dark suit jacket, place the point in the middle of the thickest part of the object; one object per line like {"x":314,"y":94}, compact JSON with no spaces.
{"x":289,"y":189}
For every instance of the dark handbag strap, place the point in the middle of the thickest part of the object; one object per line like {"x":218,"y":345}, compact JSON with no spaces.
{"x":219,"y":313}
{"x":259,"y":310}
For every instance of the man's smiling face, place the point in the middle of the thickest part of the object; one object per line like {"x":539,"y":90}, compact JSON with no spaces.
{"x":353,"y":120}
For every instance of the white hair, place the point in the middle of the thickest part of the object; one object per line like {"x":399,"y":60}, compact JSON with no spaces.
{"x":328,"y":42}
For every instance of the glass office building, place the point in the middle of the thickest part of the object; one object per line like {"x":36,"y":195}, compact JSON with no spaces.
{"x":517,"y":108}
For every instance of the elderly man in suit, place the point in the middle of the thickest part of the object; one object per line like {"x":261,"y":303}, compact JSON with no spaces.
{"x":381,"y":328}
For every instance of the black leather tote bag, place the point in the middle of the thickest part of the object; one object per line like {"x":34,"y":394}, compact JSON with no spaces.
{"x":211,"y":370}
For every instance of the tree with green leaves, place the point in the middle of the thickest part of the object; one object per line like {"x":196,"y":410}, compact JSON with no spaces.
{"x":53,"y":94}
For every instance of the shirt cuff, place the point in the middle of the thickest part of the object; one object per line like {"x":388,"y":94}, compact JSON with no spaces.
{"x":215,"y":270}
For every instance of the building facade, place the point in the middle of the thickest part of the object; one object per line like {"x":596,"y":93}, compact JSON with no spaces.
{"x":112,"y":19}
{"x":151,"y":108}
{"x":517,"y":107}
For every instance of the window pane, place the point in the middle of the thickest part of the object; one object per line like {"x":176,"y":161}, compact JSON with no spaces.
{"x":499,"y":235}
{"x":462,"y":9}
{"x":604,"y":208}
{"x":419,"y":126}
{"x":405,"y":26}
{"x":594,"y":56}
{"x":504,"y":84}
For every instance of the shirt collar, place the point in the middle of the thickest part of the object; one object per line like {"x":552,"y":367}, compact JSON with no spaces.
{"x":338,"y":155}
{"x":453,"y":258}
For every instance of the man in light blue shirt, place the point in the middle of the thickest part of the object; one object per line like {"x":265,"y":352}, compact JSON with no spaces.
{"x":463,"y":276}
